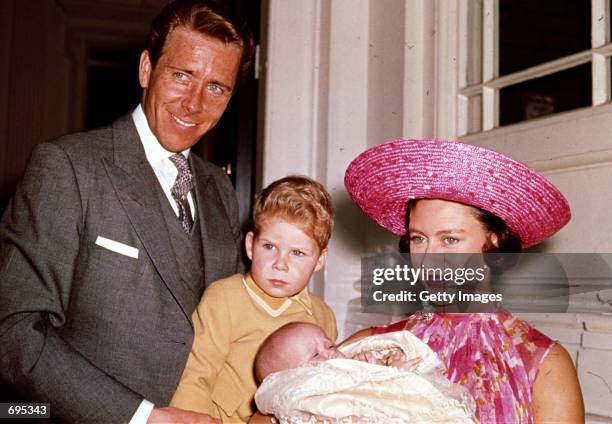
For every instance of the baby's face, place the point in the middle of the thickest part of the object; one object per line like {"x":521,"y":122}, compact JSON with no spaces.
{"x":309,"y":344}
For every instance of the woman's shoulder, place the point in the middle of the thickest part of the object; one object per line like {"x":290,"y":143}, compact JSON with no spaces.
{"x":558,"y":359}
{"x":556,"y":392}
{"x":558,"y":362}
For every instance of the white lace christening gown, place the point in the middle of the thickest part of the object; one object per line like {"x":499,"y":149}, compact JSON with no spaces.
{"x":350,"y":391}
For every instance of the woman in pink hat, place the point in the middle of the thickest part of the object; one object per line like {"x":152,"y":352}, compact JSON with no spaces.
{"x":449,"y":197}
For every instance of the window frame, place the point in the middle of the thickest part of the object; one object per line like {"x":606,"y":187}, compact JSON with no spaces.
{"x":485,"y":113}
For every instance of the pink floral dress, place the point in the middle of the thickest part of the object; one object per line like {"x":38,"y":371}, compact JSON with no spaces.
{"x":495,"y":356}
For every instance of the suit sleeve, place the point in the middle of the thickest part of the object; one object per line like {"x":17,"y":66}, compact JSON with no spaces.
{"x":211,"y":345}
{"x":39,"y":245}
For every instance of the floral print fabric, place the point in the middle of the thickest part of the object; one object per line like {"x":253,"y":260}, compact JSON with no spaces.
{"x":495,"y":356}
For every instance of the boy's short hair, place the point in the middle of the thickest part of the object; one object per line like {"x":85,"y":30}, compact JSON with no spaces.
{"x":300,"y":200}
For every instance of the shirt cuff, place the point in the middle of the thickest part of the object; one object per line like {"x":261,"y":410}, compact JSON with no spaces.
{"x":142,"y":413}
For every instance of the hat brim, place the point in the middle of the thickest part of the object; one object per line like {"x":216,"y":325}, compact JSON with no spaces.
{"x":382,"y":179}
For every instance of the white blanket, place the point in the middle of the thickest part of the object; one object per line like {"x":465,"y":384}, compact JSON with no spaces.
{"x":350,"y":391}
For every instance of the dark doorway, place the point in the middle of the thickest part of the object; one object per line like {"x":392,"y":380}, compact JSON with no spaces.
{"x":232,"y":143}
{"x":112,"y":84}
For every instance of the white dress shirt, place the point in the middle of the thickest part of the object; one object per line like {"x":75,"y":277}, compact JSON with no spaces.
{"x":158,"y":158}
{"x":166,"y":173}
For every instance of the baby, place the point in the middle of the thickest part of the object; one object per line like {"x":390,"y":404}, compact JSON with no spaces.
{"x":298,"y":343}
{"x":396,"y":379}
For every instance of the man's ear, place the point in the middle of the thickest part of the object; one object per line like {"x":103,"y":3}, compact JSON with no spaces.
{"x":321,"y":261}
{"x":248,"y":244}
{"x":144,"y":69}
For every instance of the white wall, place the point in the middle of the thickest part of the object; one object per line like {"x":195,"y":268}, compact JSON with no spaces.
{"x":331,"y":91}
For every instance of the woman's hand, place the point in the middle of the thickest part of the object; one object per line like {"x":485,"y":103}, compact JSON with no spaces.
{"x":556,"y":391}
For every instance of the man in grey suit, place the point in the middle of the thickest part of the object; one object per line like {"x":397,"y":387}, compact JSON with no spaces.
{"x":113,"y":234}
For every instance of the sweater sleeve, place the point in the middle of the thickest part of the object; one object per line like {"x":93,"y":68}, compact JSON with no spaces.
{"x":325,"y":318}
{"x":211,"y":344}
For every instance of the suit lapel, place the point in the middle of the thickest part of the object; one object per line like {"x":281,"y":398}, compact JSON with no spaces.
{"x":213,"y":221}
{"x":135,"y":184}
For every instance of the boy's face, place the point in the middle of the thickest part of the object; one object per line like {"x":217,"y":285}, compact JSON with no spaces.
{"x":283,"y":257}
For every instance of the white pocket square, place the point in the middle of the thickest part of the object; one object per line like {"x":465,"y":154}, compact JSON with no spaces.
{"x":117,"y":247}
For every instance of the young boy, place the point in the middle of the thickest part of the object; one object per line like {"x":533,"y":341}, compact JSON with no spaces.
{"x":292,"y":224}
{"x":307,"y":379}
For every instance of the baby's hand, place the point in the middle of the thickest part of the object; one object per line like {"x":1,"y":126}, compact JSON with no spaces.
{"x":367,"y":357}
{"x":394,"y":355}
{"x":403,"y":364}
{"x":395,"y":358}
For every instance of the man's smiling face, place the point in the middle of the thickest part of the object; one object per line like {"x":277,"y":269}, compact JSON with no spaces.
{"x":187,"y":91}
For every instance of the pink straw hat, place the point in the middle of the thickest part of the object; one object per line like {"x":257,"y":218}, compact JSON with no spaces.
{"x":382,"y":179}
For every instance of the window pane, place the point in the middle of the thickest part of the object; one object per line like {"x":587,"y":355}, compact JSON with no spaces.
{"x":536,"y":31}
{"x":565,"y":90}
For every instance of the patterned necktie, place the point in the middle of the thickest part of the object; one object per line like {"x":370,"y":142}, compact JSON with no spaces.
{"x":182,"y":186}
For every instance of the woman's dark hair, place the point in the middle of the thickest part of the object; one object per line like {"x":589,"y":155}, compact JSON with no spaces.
{"x":499,"y":257}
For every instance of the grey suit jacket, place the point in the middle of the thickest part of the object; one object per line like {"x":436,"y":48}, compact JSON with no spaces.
{"x":87,"y":329}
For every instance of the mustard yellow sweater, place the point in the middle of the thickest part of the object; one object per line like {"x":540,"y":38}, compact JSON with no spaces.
{"x":231,"y":321}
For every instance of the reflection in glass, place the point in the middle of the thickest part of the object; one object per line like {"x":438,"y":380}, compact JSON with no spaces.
{"x":559,"y":92}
